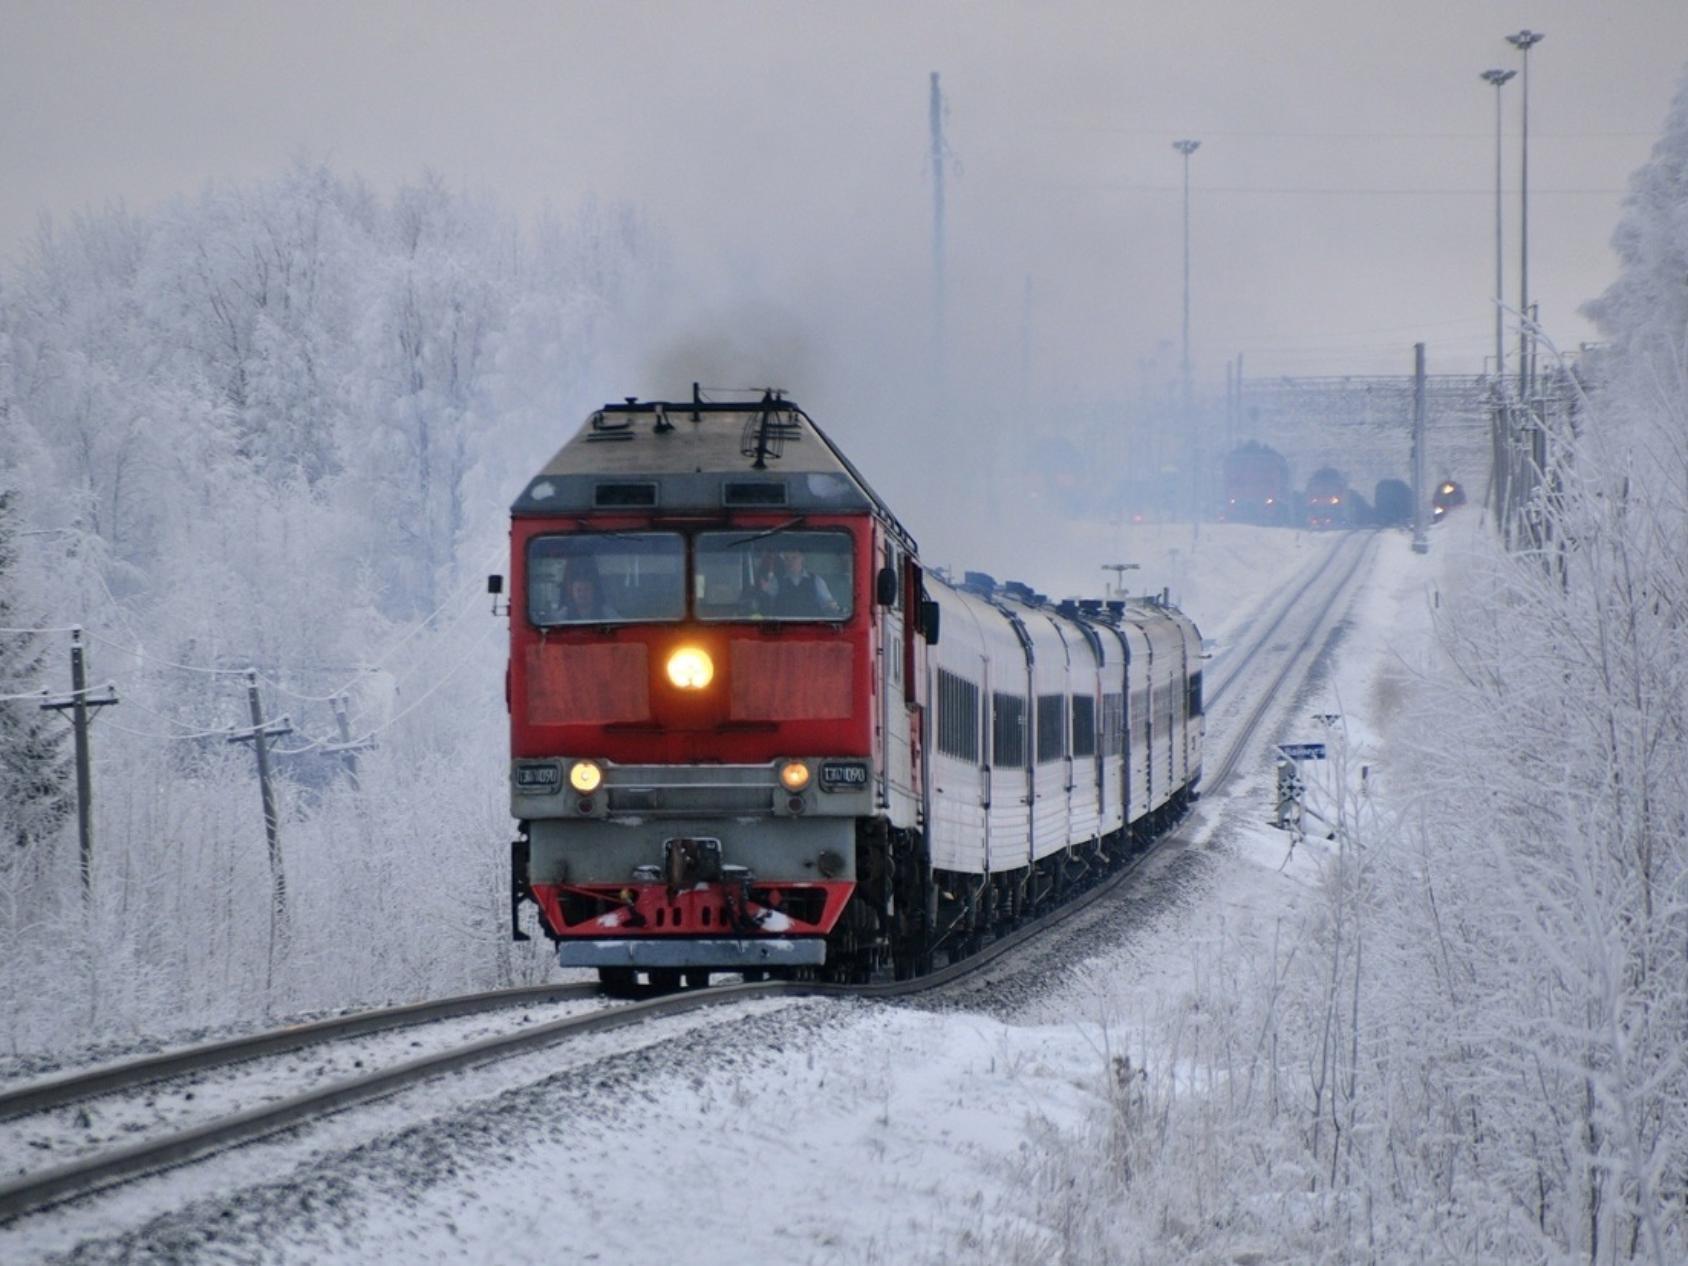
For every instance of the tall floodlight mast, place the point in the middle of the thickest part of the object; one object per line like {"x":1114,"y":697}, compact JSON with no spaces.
{"x":1524,"y":41}
{"x":1186,"y":148}
{"x":937,"y":118}
{"x":1497,"y":78}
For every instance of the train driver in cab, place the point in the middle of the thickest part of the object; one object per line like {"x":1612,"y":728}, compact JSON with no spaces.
{"x":790,"y":591}
{"x":583,"y":595}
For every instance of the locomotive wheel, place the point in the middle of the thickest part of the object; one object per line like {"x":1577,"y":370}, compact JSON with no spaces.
{"x":698,"y":978}
{"x":618,"y":982}
{"x":666,"y":979}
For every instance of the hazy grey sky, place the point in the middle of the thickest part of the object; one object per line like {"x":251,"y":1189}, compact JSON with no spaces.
{"x":1341,"y":197}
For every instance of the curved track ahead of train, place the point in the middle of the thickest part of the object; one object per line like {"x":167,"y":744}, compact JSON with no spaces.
{"x":1312,"y":598}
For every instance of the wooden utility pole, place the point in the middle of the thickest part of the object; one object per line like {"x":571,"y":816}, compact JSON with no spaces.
{"x":346,"y":748}
{"x":81,"y":708}
{"x":259,"y":736}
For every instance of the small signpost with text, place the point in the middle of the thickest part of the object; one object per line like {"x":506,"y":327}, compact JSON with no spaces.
{"x":1290,"y":755}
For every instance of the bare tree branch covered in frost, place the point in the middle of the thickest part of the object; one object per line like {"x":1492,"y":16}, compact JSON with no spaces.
{"x":278,"y":425}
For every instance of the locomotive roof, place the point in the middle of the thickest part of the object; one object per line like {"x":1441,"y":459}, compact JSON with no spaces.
{"x":696,"y":456}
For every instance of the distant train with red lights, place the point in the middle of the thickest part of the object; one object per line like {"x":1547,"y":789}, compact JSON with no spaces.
{"x":1330,"y":503}
{"x":1257,"y":486}
{"x":1448,"y":495}
{"x":740,"y":744}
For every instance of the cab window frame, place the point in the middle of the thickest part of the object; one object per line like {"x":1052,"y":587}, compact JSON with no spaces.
{"x":844,"y":594}
{"x":667,"y":534}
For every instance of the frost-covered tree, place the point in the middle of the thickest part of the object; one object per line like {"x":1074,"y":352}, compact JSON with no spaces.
{"x":37,"y":791}
{"x":1645,"y":311}
{"x":273,"y":425}
{"x":1471,"y":1045}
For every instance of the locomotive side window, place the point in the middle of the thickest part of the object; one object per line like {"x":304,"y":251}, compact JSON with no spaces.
{"x":783,"y":575}
{"x":606,"y":578}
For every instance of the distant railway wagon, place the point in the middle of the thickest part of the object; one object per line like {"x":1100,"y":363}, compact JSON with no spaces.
{"x":1448,"y":495}
{"x":1328,"y":500}
{"x":1257,"y":487}
{"x":739,"y":743}
{"x":1392,"y":503}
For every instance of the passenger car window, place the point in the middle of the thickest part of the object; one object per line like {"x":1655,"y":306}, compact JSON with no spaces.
{"x":606,"y":578}
{"x":783,"y":575}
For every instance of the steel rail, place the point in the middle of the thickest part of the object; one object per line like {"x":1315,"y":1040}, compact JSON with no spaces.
{"x":1270,"y":694}
{"x":49,"y":1187}
{"x":44,"y":1096}
{"x":1260,"y":641}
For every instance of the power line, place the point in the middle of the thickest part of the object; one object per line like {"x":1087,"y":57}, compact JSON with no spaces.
{"x":1418,"y":191}
{"x":168,"y":738}
{"x":138,"y":653}
{"x":470,"y":587}
{"x":1343,"y":136}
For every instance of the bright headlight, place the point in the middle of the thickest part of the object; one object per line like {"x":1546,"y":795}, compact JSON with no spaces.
{"x":690,"y":668}
{"x":584,"y":776}
{"x":794,"y":775}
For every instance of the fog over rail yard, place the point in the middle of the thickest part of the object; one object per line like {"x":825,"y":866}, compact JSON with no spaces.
{"x":1355,"y":935}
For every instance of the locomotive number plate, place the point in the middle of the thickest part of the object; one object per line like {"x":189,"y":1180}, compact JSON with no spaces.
{"x":843,"y":775}
{"x":539,"y":780}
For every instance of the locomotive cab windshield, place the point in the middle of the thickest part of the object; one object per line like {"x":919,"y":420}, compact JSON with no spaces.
{"x":640,"y":577}
{"x":606,"y":578}
{"x":789,"y":575}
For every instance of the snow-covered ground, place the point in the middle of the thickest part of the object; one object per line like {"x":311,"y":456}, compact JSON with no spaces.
{"x":847,"y":1131}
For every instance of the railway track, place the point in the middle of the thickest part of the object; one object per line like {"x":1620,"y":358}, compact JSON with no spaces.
{"x":1317,"y":593}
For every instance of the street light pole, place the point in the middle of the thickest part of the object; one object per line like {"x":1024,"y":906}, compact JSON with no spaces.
{"x":1186,"y":148}
{"x":1497,"y":78}
{"x":1524,"y":41}
{"x":1500,"y":480}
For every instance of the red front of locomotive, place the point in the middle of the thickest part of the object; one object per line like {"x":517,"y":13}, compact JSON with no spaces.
{"x":691,"y":695}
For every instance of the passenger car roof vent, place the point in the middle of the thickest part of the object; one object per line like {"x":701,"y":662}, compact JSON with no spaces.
{"x":979,"y":582}
{"x":1018,"y":589}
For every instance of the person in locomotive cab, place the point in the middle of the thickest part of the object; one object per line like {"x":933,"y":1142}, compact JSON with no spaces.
{"x":583,"y":594}
{"x":794,"y":592}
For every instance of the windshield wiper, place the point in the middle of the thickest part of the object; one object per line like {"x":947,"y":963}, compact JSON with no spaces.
{"x":773,"y":531}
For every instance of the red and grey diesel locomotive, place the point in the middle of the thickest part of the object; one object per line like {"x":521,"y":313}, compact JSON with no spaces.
{"x":739,"y":743}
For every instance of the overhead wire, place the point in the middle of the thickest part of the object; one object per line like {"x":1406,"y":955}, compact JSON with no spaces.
{"x":168,"y":738}
{"x":137,"y":653}
{"x":469,"y":587}
{"x":366,"y":735}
